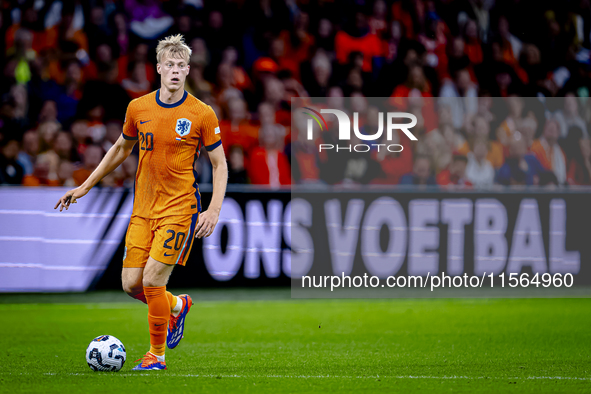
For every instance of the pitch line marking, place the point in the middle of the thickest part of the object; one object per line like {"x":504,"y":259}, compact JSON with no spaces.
{"x":327,"y":376}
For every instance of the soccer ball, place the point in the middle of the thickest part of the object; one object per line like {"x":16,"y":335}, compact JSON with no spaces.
{"x":105,"y":353}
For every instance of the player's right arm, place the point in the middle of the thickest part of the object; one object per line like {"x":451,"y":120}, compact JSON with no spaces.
{"x":113,"y":159}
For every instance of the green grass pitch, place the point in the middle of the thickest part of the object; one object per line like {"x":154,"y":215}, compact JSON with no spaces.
{"x":249,"y":341}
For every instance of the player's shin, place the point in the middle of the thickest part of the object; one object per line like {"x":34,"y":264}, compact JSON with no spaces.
{"x":158,"y":315}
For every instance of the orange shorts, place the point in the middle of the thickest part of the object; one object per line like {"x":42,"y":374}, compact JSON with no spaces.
{"x":167,"y":240}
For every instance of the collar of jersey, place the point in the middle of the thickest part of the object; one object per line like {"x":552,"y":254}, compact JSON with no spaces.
{"x":164,"y":105}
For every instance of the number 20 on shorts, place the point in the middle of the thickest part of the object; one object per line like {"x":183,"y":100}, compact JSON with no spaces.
{"x":177,"y":237}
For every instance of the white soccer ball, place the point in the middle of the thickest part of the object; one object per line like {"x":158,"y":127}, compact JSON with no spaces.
{"x":105,"y":353}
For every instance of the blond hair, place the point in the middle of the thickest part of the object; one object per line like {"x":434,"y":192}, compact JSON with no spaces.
{"x":174,"y":47}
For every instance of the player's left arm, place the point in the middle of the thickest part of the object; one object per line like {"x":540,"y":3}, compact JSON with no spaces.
{"x":209,"y":218}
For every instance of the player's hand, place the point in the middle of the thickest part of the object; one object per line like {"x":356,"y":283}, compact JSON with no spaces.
{"x":206,"y":225}
{"x":70,"y":198}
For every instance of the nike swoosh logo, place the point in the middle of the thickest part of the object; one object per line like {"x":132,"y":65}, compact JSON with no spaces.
{"x":168,"y":255}
{"x":142,"y":122}
{"x":158,"y":325}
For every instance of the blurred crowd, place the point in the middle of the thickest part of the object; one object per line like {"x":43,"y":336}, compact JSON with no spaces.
{"x":70,"y":67}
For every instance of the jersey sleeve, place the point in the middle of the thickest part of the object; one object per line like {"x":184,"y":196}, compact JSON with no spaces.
{"x":210,"y":130}
{"x":129,"y":129}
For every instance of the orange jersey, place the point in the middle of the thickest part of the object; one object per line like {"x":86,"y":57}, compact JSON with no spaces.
{"x":170,"y":137}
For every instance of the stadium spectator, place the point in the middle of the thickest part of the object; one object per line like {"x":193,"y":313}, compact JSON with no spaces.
{"x":48,"y":112}
{"x":45,"y":172}
{"x":325,"y":35}
{"x":528,"y":130}
{"x":472,"y":43}
{"x":415,"y":80}
{"x":241,"y":80}
{"x":65,"y":174}
{"x":421,"y":173}
{"x":90,"y":160}
{"x":319,"y":82}
{"x":393,"y":164}
{"x":196,"y":84}
{"x":96,"y":127}
{"x":569,"y":116}
{"x":520,"y":168}
{"x":377,"y":22}
{"x":549,"y":153}
{"x":455,"y":174}
{"x":237,"y":129}
{"x":440,"y":145}
{"x":226,"y":90}
{"x":69,"y":94}
{"x":513,"y":121}
{"x":29,"y":151}
{"x":578,"y":151}
{"x":478,"y":128}
{"x":137,"y":84}
{"x":479,"y":170}
{"x":63,"y":146}
{"x":267,"y":164}
{"x":18,"y":94}
{"x":22,"y":54}
{"x":305,"y":161}
{"x":358,"y":38}
{"x":461,"y":97}
{"x":236,"y":168}
{"x":47,"y":133}
{"x":510,"y":45}
{"x":121,"y":32}
{"x":284,"y":60}
{"x":275,"y":95}
{"x":81,"y":135}
{"x":114,"y":128}
{"x":139,"y":54}
{"x":11,"y":172}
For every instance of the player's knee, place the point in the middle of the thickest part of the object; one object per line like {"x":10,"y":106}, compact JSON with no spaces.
{"x":153,"y":280}
{"x":132,"y":289}
{"x":131,"y":281}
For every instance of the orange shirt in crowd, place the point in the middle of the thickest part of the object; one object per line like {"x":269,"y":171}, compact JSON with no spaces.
{"x":300,"y":53}
{"x":496,"y":153}
{"x":405,"y":18}
{"x":32,"y":180}
{"x":399,"y":100}
{"x":543,"y":156}
{"x":370,"y":45}
{"x":245,"y":135}
{"x":268,"y":168}
{"x":308,"y":166}
{"x":39,"y":38}
{"x":395,"y":165}
{"x":80,"y":175}
{"x":474,"y":52}
{"x":79,"y":37}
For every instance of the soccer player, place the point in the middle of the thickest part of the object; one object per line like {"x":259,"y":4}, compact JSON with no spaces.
{"x":171,"y":126}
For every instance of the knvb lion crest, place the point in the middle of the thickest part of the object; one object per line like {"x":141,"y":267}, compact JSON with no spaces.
{"x":183,"y":126}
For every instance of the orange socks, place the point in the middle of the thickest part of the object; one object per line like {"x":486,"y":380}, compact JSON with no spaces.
{"x":172,"y":300}
{"x":158,"y":315}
